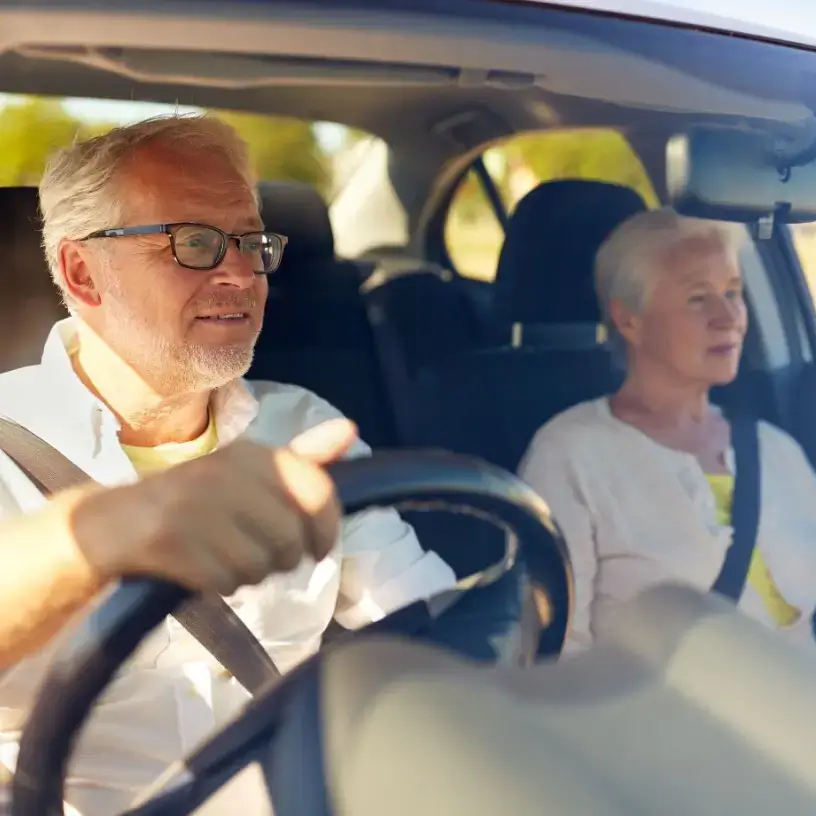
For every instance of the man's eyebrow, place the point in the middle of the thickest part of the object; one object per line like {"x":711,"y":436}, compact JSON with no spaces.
{"x":251,"y":225}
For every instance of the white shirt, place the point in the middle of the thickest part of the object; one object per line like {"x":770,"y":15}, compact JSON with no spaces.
{"x":635,"y":513}
{"x":172,"y":693}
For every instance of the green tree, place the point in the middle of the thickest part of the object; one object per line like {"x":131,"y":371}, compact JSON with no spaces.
{"x":602,"y":155}
{"x":32,"y":128}
{"x":29,"y":131}
{"x":282,"y":148}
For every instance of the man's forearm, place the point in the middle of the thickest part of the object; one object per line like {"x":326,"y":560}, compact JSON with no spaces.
{"x":44,"y":579}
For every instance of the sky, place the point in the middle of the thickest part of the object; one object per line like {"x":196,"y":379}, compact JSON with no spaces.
{"x":99,"y":110}
{"x":330,"y":136}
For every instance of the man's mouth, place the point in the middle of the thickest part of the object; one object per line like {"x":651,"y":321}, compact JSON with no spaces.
{"x":234,"y":316}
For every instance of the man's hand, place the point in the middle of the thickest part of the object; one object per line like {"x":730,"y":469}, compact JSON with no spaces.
{"x":219,"y":522}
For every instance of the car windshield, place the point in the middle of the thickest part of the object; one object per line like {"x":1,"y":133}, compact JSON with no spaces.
{"x":575,"y":245}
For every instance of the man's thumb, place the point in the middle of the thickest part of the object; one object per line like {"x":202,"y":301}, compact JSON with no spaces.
{"x":326,"y":442}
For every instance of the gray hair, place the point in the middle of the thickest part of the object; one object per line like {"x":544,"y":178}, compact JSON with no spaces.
{"x":80,"y":191}
{"x":625,"y":268}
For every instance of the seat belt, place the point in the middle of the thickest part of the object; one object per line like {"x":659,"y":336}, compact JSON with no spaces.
{"x":745,"y":510}
{"x":210,"y":620}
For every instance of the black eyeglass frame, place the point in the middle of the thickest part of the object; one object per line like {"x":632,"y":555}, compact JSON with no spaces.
{"x":167,"y":229}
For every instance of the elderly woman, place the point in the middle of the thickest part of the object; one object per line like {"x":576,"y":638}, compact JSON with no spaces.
{"x":641,"y":481}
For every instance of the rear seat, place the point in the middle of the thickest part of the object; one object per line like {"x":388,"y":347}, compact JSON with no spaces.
{"x":30,"y":304}
{"x":316,"y":332}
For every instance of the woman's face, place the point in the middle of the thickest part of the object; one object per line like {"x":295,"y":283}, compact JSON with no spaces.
{"x":693,"y":322}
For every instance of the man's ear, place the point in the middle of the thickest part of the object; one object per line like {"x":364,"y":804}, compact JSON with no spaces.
{"x":79,"y":269}
{"x":626,"y":322}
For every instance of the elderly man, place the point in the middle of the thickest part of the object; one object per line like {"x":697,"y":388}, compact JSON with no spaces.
{"x":153,"y":235}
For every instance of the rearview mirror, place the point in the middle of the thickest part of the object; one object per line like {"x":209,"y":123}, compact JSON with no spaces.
{"x":738,"y":175}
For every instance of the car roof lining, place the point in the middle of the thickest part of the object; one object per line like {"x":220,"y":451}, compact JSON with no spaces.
{"x":276,"y":59}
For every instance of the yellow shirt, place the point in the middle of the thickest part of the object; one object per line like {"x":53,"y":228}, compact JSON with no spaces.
{"x":759,"y":576}
{"x":161,"y":457}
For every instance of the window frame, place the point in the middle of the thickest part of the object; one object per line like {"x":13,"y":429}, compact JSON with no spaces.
{"x":434,"y":243}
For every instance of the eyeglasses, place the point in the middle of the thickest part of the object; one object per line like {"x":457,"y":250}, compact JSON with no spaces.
{"x":202,"y":247}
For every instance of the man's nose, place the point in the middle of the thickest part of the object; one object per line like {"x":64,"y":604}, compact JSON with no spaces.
{"x":235,"y":269}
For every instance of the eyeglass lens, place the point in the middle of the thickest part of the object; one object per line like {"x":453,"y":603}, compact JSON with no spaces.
{"x":201,"y":247}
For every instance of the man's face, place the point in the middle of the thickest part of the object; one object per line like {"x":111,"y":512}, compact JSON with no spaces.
{"x":170,"y":323}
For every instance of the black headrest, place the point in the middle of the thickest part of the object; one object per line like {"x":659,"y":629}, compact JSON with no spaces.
{"x":20,"y":237}
{"x":298,"y":211}
{"x":31,"y":303}
{"x":545,"y":272}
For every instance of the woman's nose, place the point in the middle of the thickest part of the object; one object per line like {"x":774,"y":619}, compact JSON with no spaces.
{"x":725,"y":311}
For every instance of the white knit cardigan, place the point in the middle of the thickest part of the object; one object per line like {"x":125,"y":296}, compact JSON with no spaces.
{"x":636,"y":513}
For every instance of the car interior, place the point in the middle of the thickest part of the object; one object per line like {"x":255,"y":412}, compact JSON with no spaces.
{"x":421,"y":353}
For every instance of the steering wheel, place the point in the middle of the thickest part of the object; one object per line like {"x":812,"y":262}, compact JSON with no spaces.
{"x":420,"y":480}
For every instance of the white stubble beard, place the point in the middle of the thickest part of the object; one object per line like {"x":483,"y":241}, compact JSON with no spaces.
{"x":174,"y":368}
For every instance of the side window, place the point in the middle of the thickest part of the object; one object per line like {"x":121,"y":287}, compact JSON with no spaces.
{"x":766,"y":314}
{"x":473,"y":232}
{"x":804,"y":241}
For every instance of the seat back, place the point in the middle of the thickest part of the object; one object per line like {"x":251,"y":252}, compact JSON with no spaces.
{"x":429,"y":312}
{"x":31,"y":303}
{"x":418,"y":315}
{"x":316,"y":332}
{"x":490,"y":403}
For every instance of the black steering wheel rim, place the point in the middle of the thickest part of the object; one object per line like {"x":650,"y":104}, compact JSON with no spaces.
{"x":108,"y":636}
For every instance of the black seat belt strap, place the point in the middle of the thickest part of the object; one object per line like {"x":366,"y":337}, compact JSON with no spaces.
{"x":745,"y":510}
{"x":210,"y":620}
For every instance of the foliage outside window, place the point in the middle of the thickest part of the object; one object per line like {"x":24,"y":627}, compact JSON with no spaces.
{"x":32,"y":127}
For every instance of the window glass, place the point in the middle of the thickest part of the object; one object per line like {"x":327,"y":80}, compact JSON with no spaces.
{"x":804,"y":239}
{"x":473,"y":234}
{"x":281,"y":148}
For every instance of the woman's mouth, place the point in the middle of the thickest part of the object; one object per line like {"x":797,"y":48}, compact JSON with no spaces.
{"x":723,"y":350}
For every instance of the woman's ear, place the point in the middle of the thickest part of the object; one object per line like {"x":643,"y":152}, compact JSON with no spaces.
{"x":625,"y":321}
